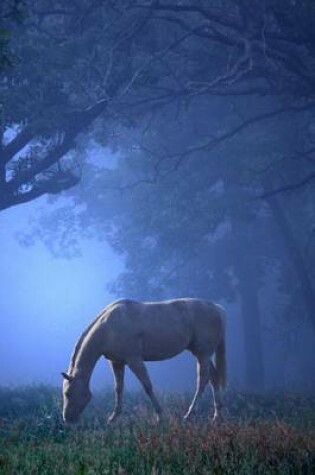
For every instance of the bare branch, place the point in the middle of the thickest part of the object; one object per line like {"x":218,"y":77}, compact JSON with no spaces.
{"x":217,"y":16}
{"x":155,"y":57}
{"x":214,"y":142}
{"x":306,"y":154}
{"x":291,"y":187}
{"x":178,"y":158}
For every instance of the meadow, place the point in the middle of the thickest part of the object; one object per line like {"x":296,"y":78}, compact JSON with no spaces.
{"x":271,"y":433}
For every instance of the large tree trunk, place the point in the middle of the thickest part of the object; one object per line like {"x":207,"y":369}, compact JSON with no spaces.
{"x":296,"y":257}
{"x":247,"y":273}
{"x":254,"y":370}
{"x":248,"y":291}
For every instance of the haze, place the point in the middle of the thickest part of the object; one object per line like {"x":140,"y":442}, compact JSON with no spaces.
{"x":152,"y":150}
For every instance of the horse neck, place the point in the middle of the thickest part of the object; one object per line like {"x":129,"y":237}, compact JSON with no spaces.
{"x":87,"y":357}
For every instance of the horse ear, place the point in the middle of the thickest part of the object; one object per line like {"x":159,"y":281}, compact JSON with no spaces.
{"x":66,"y":376}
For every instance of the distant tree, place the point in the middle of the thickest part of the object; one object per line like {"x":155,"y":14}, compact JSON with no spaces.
{"x":198,"y":230}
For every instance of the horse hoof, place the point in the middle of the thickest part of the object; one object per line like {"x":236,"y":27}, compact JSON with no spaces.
{"x":217,"y":420}
{"x":159,"y":419}
{"x":112,"y":418}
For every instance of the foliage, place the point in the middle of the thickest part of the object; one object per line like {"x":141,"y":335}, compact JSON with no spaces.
{"x":194,"y":224}
{"x":264,"y":434}
{"x":181,"y":91}
{"x":11,"y":13}
{"x":72,"y":63}
{"x":120,"y":61}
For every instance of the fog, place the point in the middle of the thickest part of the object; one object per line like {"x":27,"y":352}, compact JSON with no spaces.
{"x":46,"y":303}
{"x":151,"y":153}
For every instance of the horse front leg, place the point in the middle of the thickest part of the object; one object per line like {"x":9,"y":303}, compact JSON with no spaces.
{"x":203,"y":372}
{"x":137,"y":366}
{"x":118,"y":372}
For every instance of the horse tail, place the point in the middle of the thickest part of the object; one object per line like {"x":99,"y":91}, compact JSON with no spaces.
{"x":220,"y":354}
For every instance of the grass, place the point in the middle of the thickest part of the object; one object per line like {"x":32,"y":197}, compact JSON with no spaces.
{"x":265,"y":434}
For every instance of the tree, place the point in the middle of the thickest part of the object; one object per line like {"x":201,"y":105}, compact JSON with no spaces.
{"x":74,"y":64}
{"x":139,"y":67}
{"x":11,"y":12}
{"x":120,"y":59}
{"x":193,"y":231}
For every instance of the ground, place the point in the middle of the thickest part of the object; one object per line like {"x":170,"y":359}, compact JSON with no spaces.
{"x":272,"y":433}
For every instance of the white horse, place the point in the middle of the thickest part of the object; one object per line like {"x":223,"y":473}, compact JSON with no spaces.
{"x":128,"y":333}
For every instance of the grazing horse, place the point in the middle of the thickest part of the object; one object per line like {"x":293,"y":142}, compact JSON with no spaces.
{"x":128,"y":333}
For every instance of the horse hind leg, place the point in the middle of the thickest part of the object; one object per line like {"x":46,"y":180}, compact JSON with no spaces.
{"x":217,"y":399}
{"x":203,"y":374}
{"x":137,"y":366}
{"x":118,"y":372}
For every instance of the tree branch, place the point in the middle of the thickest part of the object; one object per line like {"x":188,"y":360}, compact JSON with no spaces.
{"x":292,"y":187}
{"x":214,"y":142}
{"x":207,"y":146}
{"x":11,"y":193}
{"x":215,"y":16}
{"x":19,"y":142}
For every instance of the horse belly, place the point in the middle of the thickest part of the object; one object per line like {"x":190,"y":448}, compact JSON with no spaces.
{"x":163,"y":345}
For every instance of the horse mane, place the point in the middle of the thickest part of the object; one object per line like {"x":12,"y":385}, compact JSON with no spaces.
{"x":80,"y":341}
{"x":87,"y":330}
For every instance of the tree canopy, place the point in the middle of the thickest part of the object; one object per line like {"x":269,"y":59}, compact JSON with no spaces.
{"x":120,"y":62}
{"x":209,"y":110}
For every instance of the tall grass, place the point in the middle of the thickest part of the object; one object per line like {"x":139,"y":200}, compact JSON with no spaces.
{"x":264,"y":434}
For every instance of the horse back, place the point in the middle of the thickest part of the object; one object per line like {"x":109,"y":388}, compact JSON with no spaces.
{"x":160,"y":330}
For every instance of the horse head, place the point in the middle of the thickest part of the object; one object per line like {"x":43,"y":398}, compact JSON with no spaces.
{"x":76,"y":395}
